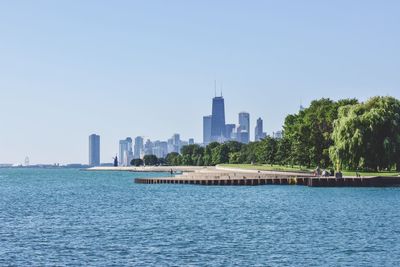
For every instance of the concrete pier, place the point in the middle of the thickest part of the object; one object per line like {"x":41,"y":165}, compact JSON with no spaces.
{"x":219,"y":178}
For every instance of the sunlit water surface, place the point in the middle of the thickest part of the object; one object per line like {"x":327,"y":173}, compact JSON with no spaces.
{"x":72,"y":217}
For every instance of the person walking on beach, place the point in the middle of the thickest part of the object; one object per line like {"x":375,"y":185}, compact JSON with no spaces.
{"x":171,"y":172}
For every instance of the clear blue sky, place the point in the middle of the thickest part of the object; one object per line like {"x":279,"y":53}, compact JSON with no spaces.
{"x":128,"y":68}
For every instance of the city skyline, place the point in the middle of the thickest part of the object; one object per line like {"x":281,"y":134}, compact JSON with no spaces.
{"x":148,"y":69}
{"x":215,"y":129}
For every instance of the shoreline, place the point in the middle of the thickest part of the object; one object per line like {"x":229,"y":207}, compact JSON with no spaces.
{"x":222,"y":175}
{"x":150,"y":168}
{"x":199,"y":169}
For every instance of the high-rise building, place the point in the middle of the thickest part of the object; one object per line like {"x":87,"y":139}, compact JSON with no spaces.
{"x":277,"y":135}
{"x":160,"y":149}
{"x":148,"y":147}
{"x":122,"y":149}
{"x":125,"y":152}
{"x":170,"y":144}
{"x":163,"y":149}
{"x":94,"y":150}
{"x":229,"y":131}
{"x":138,"y":148}
{"x":259,"y":132}
{"x":207,"y":129}
{"x":243,"y":136}
{"x":191,"y":141}
{"x":176,"y":142}
{"x":244,"y":121}
{"x":218,"y":119}
{"x":244,"y":127}
{"x":183,"y":143}
{"x":129,"y":153}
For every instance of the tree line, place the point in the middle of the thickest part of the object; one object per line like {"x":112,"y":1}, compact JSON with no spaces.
{"x":344,"y":134}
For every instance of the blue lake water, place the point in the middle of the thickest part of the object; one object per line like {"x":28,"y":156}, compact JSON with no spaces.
{"x":73,"y":217}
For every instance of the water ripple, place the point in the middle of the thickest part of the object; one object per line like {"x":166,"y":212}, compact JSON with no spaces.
{"x":75,"y":218}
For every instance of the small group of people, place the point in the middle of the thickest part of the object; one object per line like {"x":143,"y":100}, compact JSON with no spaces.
{"x":327,"y":173}
{"x":324,"y":172}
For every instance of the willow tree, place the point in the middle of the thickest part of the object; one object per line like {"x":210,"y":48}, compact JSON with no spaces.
{"x":367,"y":135}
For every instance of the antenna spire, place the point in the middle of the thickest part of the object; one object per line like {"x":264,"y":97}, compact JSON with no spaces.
{"x":221,"y":88}
{"x":215,"y":88}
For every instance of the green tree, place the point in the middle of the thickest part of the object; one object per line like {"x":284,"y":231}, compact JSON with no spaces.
{"x":173,"y":159}
{"x":150,"y":160}
{"x":191,"y":153}
{"x":283,"y":151}
{"x":220,"y":154}
{"x":234,"y":158}
{"x":137,"y":162}
{"x":266,"y":150}
{"x":161,"y":161}
{"x":248,"y":153}
{"x":310,"y":132}
{"x":200,"y":161}
{"x":367,"y":135}
{"x":234,"y":146}
{"x":208,"y":161}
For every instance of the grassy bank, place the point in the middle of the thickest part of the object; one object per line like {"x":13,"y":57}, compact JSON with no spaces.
{"x":267,"y":167}
{"x":302,"y":169}
{"x":383,"y":173}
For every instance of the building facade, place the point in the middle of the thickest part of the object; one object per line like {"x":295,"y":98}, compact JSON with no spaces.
{"x":94,"y":150}
{"x":148,"y":147}
{"x":207,"y":129}
{"x":176,"y":143}
{"x":243,"y":131}
{"x":160,"y":149}
{"x":138,"y":147}
{"x":243,"y":137}
{"x":259,"y":131}
{"x":125,"y":152}
{"x":277,"y":135}
{"x":230,"y":131}
{"x":218,"y":119}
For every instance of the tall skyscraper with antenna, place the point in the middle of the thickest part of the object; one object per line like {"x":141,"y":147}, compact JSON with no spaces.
{"x":214,"y":128}
{"x":218,"y":119}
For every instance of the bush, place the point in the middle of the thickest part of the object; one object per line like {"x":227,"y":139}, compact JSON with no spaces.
{"x":137,"y":162}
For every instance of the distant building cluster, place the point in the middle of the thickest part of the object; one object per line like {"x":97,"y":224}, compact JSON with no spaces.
{"x":141,"y":148}
{"x":215,"y":129}
{"x":136,"y":149}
